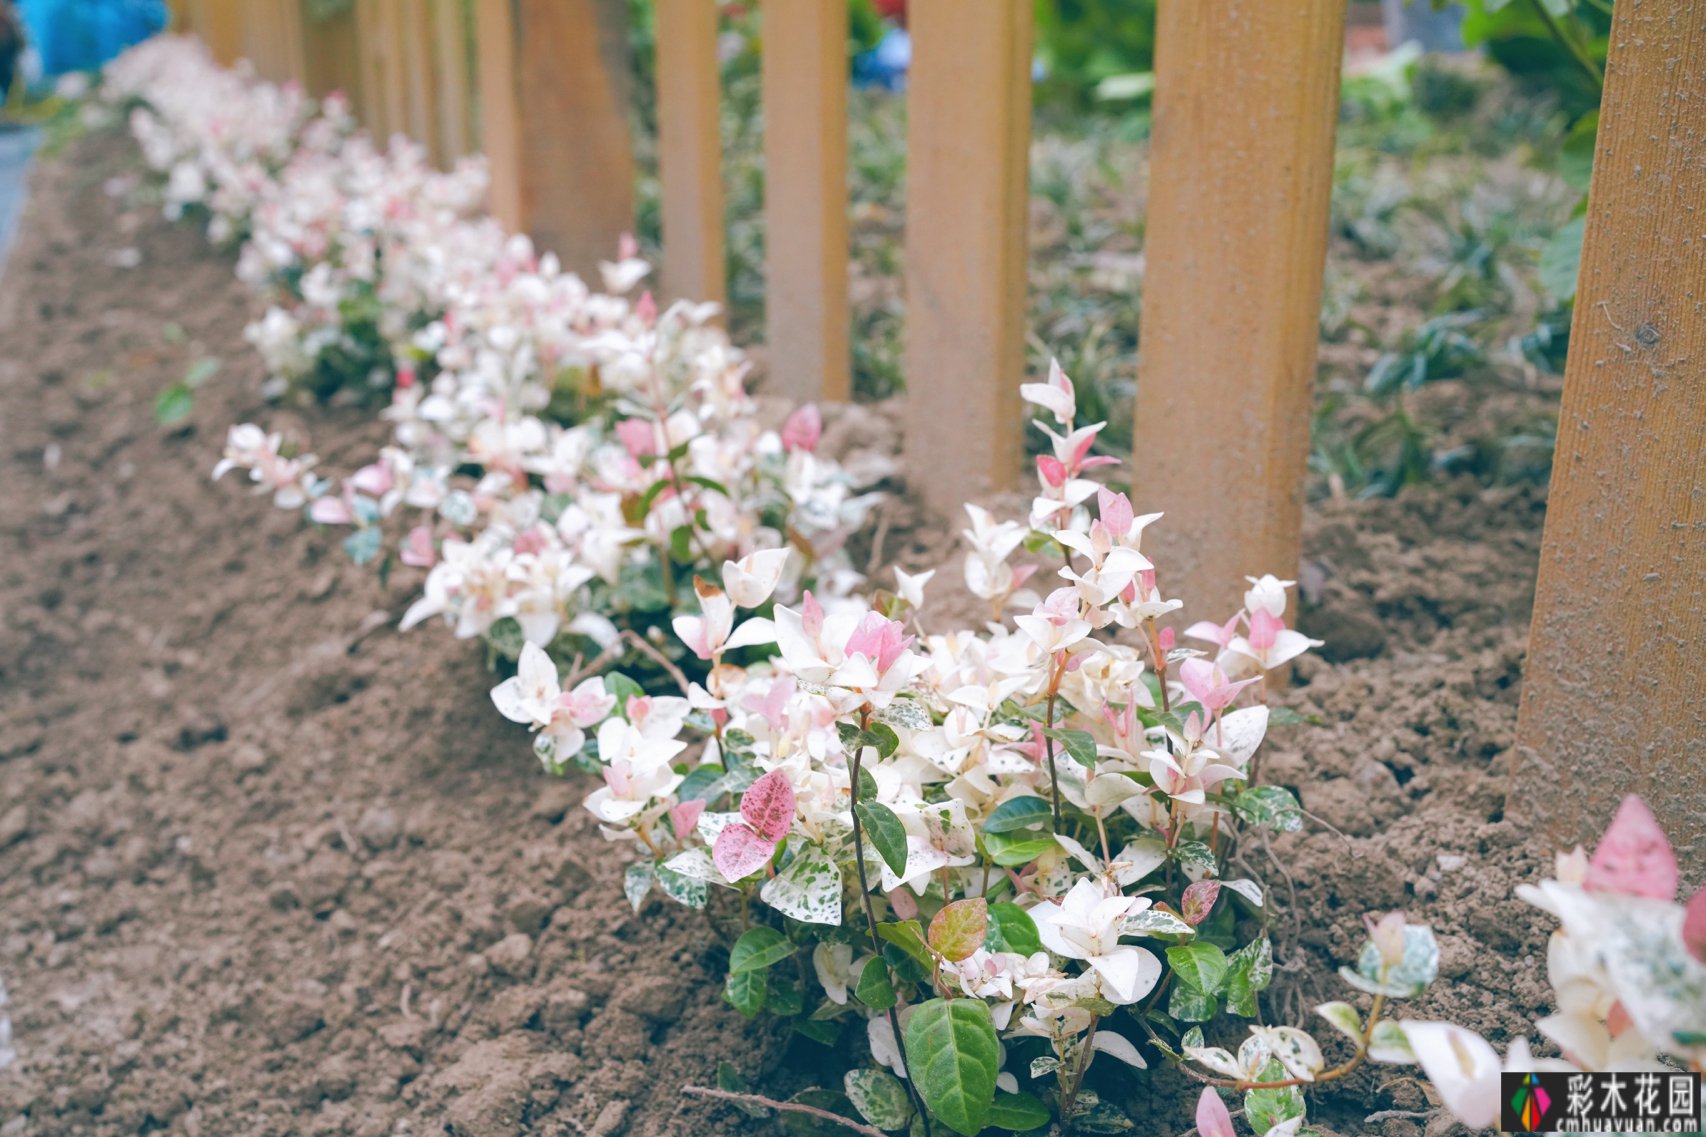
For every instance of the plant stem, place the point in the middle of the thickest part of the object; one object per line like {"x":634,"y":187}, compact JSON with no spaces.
{"x":1048,"y":739}
{"x":871,"y":920}
{"x":1569,"y":44}
{"x":782,"y":1107}
{"x":1069,"y":1098}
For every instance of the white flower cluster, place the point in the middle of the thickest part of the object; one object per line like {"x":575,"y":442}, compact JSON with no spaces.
{"x":564,"y":461}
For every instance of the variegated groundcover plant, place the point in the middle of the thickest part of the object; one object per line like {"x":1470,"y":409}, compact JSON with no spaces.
{"x":994,"y":855}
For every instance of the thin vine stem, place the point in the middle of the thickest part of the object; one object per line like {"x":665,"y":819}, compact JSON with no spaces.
{"x":782,"y":1107}
{"x":1569,"y":44}
{"x":871,"y":920}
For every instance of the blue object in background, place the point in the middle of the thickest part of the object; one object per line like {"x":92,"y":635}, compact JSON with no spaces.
{"x":885,"y":65}
{"x":80,"y":35}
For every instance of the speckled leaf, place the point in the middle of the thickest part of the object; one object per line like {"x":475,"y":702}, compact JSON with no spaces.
{"x":695,"y":864}
{"x":808,"y":889}
{"x":1269,"y":807}
{"x":880,"y":1098}
{"x":681,"y":888}
{"x":1196,"y":858}
{"x":1410,"y":978}
{"x":637,"y":881}
{"x":768,"y":806}
{"x":1199,"y":900}
{"x":739,"y":852}
{"x":1155,"y":921}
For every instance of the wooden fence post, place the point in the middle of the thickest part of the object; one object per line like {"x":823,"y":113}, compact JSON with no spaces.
{"x":451,"y":80}
{"x":1612,"y":697}
{"x":554,"y":123}
{"x":690,"y":149}
{"x":1241,"y":173}
{"x":272,"y":39}
{"x":220,"y":25}
{"x":331,"y":55}
{"x":968,"y":143}
{"x":805,"y":199}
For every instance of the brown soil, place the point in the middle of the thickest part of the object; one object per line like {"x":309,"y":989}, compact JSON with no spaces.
{"x":262,"y":873}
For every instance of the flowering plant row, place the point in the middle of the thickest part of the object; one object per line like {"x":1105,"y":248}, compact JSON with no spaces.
{"x":563,"y":461}
{"x":993,"y":854}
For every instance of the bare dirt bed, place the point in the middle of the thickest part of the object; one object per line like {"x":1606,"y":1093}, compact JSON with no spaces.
{"x":264,"y":873}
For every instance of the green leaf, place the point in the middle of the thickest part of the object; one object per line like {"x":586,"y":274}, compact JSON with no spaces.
{"x":886,"y":832}
{"x":875,"y":989}
{"x":1013,"y":850}
{"x":1017,"y":1112}
{"x":200,"y":372}
{"x":1200,"y":966}
{"x":880,"y":1098}
{"x":1017,"y":813}
{"x":884,"y":738}
{"x":1080,"y":744}
{"x":1418,"y":968}
{"x":823,"y":1032}
{"x":746,"y":990}
{"x":757,"y":949}
{"x":1012,"y":929}
{"x":908,"y":936}
{"x":959,"y":928}
{"x":173,"y":405}
{"x":637,"y":881}
{"x":1575,"y":157}
{"x":954,"y":1057}
{"x":621,"y":688}
{"x":784,"y":999}
{"x":1561,"y":260}
{"x":867,"y":783}
{"x":1269,"y":807}
{"x":1264,"y":1109}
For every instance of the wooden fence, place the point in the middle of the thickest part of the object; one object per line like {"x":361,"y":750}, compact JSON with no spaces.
{"x":1241,"y":175}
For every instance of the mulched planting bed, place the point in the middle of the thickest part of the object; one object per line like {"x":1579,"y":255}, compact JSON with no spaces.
{"x":268,"y":867}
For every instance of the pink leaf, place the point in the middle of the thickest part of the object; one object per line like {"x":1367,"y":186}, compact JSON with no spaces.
{"x":1199,"y":901}
{"x":1694,"y":926}
{"x":1633,"y":857}
{"x":803,"y":429}
{"x":739,"y":852}
{"x":684,"y":816}
{"x":1212,"y":1118}
{"x":768,"y":806}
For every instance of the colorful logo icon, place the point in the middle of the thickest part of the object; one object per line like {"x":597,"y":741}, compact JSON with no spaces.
{"x":1531,"y":1102}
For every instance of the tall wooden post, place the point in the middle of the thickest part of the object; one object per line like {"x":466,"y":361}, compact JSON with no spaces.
{"x":450,"y":81}
{"x":332,"y":54}
{"x":1613,"y":696}
{"x":1241,"y":173}
{"x":690,"y":149}
{"x":968,"y":143}
{"x":805,"y":199}
{"x":554,"y":123}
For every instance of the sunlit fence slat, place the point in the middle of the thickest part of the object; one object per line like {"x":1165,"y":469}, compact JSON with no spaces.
{"x":1241,"y":175}
{"x":1612,"y":696}
{"x":690,"y":149}
{"x":968,"y":137}
{"x":805,"y":200}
